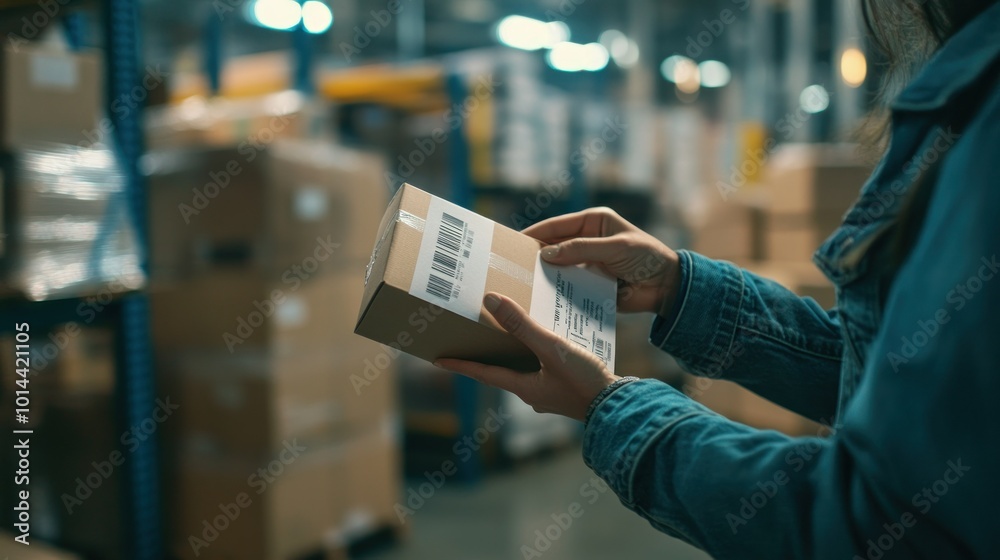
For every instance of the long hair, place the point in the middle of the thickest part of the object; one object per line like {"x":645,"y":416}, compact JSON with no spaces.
{"x":907,"y":33}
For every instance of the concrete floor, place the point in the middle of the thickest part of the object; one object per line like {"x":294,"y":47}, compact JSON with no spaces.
{"x":498,"y":519}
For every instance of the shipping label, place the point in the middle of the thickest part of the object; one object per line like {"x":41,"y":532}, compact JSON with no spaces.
{"x":578,"y":304}
{"x":454,"y":259}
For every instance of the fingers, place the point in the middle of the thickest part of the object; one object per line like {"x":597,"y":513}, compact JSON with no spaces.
{"x":520,"y":325}
{"x":584,"y":250}
{"x":595,"y":222}
{"x":501,"y":378}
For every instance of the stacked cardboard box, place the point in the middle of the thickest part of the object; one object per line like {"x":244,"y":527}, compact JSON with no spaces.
{"x":739,"y":404}
{"x":285,"y":418}
{"x":66,"y":230}
{"x":48,"y":95}
{"x":772,"y":229}
{"x":225,"y":122}
{"x":808,"y":189}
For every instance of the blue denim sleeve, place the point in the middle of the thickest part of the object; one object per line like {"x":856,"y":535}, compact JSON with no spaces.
{"x":731,"y":324}
{"x":909,"y":473}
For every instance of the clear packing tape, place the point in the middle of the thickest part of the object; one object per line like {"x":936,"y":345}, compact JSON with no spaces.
{"x":71,"y":232}
{"x":497,"y":262}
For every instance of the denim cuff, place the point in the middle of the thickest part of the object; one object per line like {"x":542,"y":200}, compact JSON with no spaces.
{"x":626,"y":424}
{"x":702,"y":326}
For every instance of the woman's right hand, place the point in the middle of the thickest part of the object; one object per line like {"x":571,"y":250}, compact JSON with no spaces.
{"x":648,"y":271}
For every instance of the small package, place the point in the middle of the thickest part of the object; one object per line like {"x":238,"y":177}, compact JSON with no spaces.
{"x":434,"y":261}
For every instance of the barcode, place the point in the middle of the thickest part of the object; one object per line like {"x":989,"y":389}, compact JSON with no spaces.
{"x":599,"y":349}
{"x":446,"y":251}
{"x":440,"y":287}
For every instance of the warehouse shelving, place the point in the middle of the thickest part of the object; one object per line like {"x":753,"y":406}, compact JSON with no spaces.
{"x":129,"y":313}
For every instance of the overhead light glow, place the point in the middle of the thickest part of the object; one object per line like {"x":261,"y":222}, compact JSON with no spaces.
{"x":678,"y":68}
{"x":531,"y":34}
{"x":853,"y":67}
{"x":316,"y":17}
{"x":277,"y":14}
{"x":682,"y":71}
{"x":814,"y":99}
{"x":624,"y":51}
{"x":714,"y":74}
{"x":574,"y":57}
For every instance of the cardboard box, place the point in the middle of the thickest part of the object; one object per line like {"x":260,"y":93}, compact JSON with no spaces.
{"x":729,"y":230}
{"x":432,"y":264}
{"x":36,"y":551}
{"x":327,"y":496}
{"x":222,"y":121}
{"x":49,"y":96}
{"x":374,"y":482}
{"x":809,"y":178}
{"x":253,"y":311}
{"x":250,"y":403}
{"x":68,"y":235}
{"x":795,"y":238}
{"x":286,"y":504}
{"x":81,"y":434}
{"x":744,"y":406}
{"x":264,"y":206}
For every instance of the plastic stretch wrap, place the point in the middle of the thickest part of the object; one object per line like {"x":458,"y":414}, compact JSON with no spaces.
{"x":69,"y":231}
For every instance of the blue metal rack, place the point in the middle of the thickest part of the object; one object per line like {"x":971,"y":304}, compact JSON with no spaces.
{"x":130,"y":314}
{"x":136,"y":383}
{"x":463,"y":194}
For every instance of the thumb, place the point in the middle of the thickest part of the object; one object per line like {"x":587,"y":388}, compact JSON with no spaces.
{"x":583,"y":250}
{"x":520,"y":325}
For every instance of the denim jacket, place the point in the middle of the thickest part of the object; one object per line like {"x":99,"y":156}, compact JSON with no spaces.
{"x":906,"y":369}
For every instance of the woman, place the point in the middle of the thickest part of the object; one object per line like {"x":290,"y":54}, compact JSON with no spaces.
{"x":905,"y":368}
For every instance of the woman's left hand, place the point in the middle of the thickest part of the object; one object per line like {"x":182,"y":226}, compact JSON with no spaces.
{"x":570,"y":377}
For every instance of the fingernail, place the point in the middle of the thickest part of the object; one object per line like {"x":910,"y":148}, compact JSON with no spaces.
{"x":492,"y":302}
{"x":550,"y":252}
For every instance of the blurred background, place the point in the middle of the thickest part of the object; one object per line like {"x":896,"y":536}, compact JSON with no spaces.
{"x":191,"y":191}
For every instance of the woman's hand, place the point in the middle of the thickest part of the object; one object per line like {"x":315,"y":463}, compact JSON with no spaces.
{"x":648,"y":271}
{"x":570,"y":378}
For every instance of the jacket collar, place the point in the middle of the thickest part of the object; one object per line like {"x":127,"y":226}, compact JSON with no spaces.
{"x":957,"y":65}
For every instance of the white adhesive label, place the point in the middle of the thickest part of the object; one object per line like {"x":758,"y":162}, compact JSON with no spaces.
{"x":454,"y":259}
{"x":577,"y":304}
{"x":310,"y":204}
{"x":53,"y":71}
{"x":292,"y":312}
